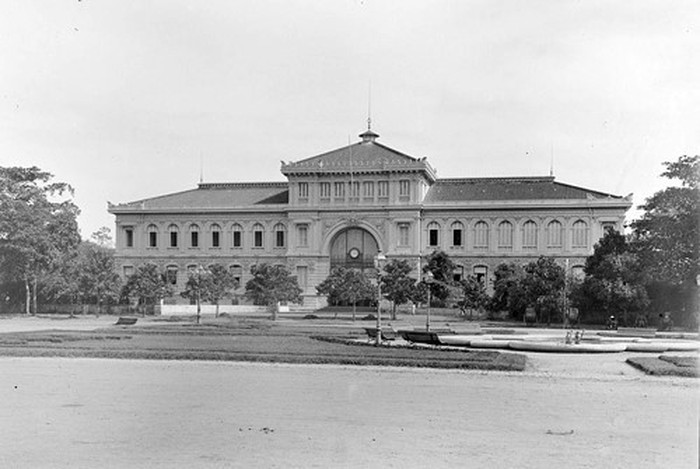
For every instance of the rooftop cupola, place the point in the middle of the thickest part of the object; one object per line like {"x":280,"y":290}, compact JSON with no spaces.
{"x":368,"y":136}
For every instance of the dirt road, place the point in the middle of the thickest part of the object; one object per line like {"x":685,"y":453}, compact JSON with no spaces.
{"x":118,"y":413}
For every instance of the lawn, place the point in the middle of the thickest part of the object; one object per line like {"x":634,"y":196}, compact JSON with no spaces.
{"x":252,"y":340}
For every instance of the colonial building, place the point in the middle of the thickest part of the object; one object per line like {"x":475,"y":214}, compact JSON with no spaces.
{"x":342,"y":207}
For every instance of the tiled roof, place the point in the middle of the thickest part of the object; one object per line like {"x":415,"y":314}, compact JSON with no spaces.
{"x":495,"y":189}
{"x":365,"y":156}
{"x":215,"y":196}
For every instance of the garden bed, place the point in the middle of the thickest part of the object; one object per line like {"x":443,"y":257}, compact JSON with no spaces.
{"x":667,"y":365}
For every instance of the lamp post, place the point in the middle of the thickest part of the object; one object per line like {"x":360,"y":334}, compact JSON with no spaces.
{"x":379,"y":260}
{"x":428,"y":278}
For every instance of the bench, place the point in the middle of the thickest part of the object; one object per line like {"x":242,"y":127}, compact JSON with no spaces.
{"x":387,"y":334}
{"x":125,"y":321}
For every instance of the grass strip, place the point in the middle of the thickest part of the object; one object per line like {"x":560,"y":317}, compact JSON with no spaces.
{"x":660,"y":366}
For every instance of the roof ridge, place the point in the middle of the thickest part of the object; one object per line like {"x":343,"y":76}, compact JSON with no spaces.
{"x":499,"y":179}
{"x":241,"y":185}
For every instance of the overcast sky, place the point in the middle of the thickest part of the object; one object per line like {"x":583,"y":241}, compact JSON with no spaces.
{"x":123,"y":99}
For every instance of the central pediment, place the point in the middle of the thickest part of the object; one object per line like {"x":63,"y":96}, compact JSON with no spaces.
{"x":366,"y":157}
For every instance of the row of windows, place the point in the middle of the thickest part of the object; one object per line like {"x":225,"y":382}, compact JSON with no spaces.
{"x":354,"y":189}
{"x":554,"y":232}
{"x":216,"y":236}
{"x":171,"y":273}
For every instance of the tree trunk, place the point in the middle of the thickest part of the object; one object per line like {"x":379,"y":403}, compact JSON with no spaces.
{"x":216,"y":314}
{"x":27,"y":296}
{"x":354,"y":309}
{"x":393,"y":311}
{"x":34,"y":308}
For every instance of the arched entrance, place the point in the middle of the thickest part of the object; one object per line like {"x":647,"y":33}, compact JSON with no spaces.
{"x":353,"y":248}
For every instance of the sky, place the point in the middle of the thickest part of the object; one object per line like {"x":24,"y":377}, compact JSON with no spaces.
{"x":128,"y":99}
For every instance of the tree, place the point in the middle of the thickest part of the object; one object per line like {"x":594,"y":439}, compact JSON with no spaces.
{"x":199,"y":283}
{"x":37,"y":226}
{"x":221,"y":283}
{"x":147,"y":285}
{"x":509,"y":294}
{"x":397,"y":286}
{"x":544,"y":284}
{"x":614,"y":282}
{"x":442,"y":268}
{"x":667,"y":240}
{"x":474,"y":294}
{"x":347,"y":286}
{"x":272,"y":284}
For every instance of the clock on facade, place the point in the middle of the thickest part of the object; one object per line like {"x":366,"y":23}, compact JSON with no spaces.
{"x":354,"y":253}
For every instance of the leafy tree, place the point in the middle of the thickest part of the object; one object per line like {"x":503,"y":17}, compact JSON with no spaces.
{"x":271,"y":284}
{"x":667,"y":239}
{"x":544,"y":284}
{"x":85,"y":276}
{"x":442,"y":268}
{"x":397,"y":286}
{"x":614,"y":282}
{"x":148,"y":285}
{"x":348,"y":286}
{"x":37,"y":226}
{"x":199,"y":283}
{"x":474,"y":294}
{"x":509,"y":293}
{"x":220,"y":285}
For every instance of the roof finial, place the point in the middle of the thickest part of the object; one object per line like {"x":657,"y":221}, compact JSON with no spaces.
{"x":369,"y":106}
{"x":551,"y":161}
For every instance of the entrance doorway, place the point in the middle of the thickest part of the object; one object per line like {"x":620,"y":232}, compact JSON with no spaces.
{"x":354,"y":248}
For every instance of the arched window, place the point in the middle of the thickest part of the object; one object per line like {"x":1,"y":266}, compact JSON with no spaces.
{"x":457,"y":234}
{"x":579,"y":234}
{"x":280,"y":235}
{"x":505,"y":235}
{"x":433,"y":234}
{"x":237,"y":273}
{"x":215,"y":236}
{"x":258,"y":235}
{"x":481,"y":235}
{"x":194,"y":235}
{"x":152,"y":231}
{"x":554,"y":234}
{"x":173,"y":232}
{"x":529,"y":235}
{"x":237,"y":235}
{"x":171,"y":274}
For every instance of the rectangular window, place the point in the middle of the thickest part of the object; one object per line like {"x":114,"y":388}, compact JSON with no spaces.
{"x":194,"y":238}
{"x":303,"y":190}
{"x":403,"y":234}
{"x":215,"y":239}
{"x":355,"y":189}
{"x":237,"y":239}
{"x":302,"y":236}
{"x":128,"y":271}
{"x":404,"y":188}
{"x":325,"y":189}
{"x":481,"y":274}
{"x":339,"y":190}
{"x":383,"y":189}
{"x":129,"y":233}
{"x":152,"y":239}
{"x":173,"y":239}
{"x":368,"y":189}
{"x":279,"y":239}
{"x":258,"y":239}
{"x":433,"y":237}
{"x":456,"y":237}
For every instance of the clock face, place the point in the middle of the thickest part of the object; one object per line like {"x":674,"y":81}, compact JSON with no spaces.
{"x":354,"y":253}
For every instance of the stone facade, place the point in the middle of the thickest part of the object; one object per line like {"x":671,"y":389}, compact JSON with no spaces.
{"x":341,"y":207}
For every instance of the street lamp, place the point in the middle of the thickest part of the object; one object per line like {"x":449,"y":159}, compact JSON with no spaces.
{"x":379,"y":261}
{"x":428,"y":279}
